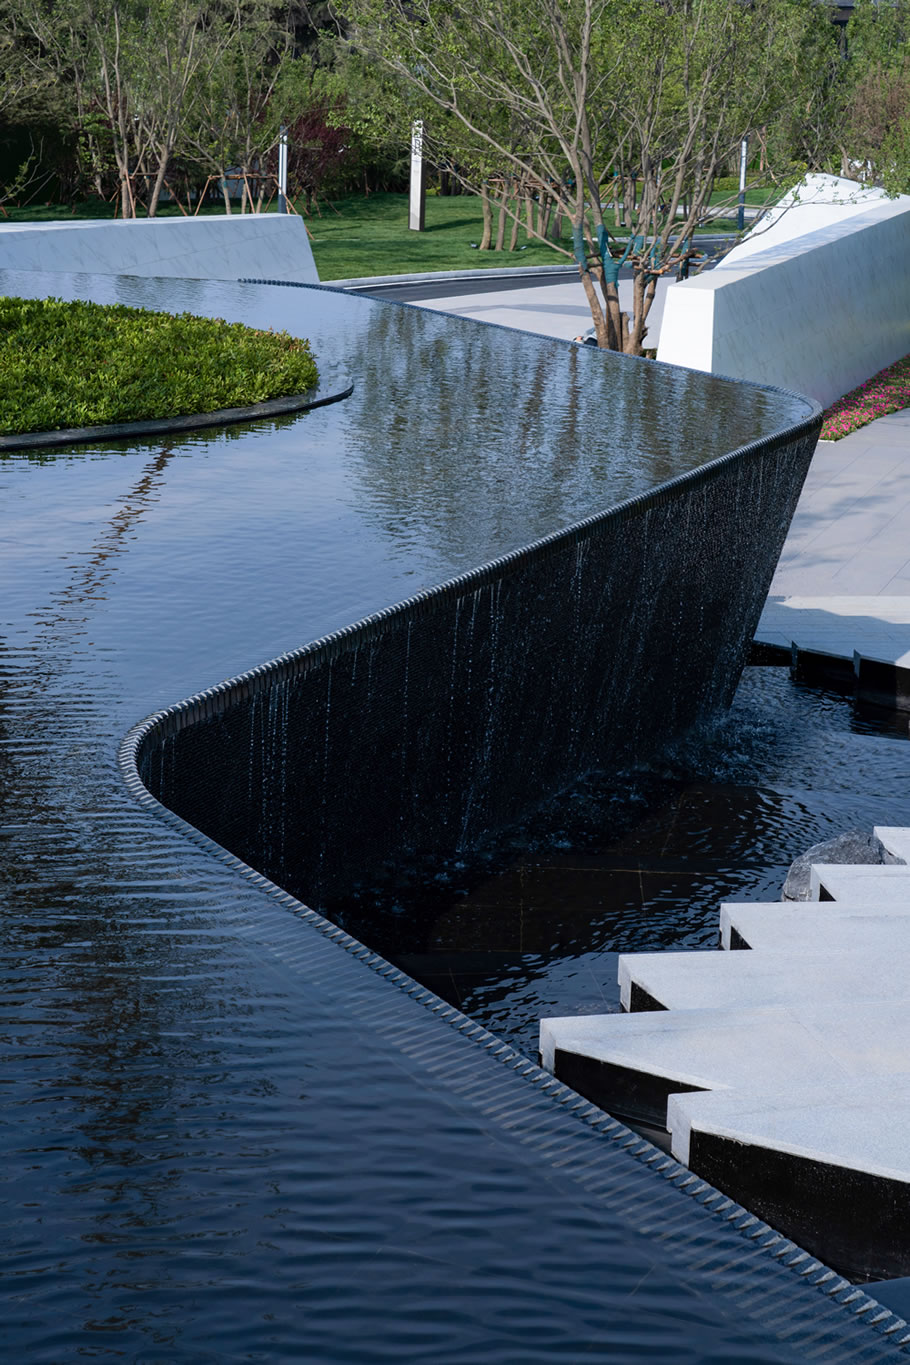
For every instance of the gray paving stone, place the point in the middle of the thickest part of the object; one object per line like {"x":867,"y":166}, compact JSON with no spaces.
{"x":715,"y":980}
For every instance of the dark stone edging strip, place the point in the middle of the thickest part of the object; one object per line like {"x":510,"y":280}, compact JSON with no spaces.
{"x":340,"y":387}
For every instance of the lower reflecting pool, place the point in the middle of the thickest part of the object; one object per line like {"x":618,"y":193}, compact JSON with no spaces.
{"x":643,"y":861}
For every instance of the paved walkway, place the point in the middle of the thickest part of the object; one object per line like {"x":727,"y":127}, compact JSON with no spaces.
{"x":851,"y":532}
{"x":843,"y":581}
{"x":554,"y":310}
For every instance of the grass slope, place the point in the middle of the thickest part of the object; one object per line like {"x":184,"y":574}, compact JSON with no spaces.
{"x":85,"y":364}
{"x":370,"y":236}
{"x":358,"y":236}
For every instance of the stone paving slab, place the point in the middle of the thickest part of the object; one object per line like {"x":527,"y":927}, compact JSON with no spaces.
{"x":801,"y":925}
{"x":841,"y":626}
{"x":713,"y":980}
{"x":849,"y":532}
{"x":860,"y":885}
{"x":832,"y":1163}
{"x":860,"y":1126}
{"x":896,"y":840}
{"x":762,"y":1050}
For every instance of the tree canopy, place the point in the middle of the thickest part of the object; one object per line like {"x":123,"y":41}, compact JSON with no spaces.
{"x":875,"y":118}
{"x":622,"y":111}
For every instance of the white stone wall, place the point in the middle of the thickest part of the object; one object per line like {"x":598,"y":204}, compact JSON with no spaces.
{"x":818,"y":201}
{"x":214,"y":247}
{"x":818,"y":314}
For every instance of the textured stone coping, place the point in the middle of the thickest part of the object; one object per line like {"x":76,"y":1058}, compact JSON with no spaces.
{"x":332,"y":391}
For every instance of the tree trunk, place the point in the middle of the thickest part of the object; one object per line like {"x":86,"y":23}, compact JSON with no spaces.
{"x":615,"y":327}
{"x":643,"y":291}
{"x":164,"y":157}
{"x":513,"y":236}
{"x":598,"y":316}
{"x":487,"y":236}
{"x":501,"y":225}
{"x":529,"y":217}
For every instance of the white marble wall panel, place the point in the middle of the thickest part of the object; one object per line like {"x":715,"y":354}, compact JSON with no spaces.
{"x":215,"y":247}
{"x":819,"y":315}
{"x":819,"y":201}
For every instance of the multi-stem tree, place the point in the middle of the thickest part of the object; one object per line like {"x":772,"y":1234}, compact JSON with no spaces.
{"x":625,"y":111}
{"x":131,"y":66}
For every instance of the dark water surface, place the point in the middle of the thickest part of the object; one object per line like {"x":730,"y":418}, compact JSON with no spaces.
{"x":224,"y":1138}
{"x":642,"y":861}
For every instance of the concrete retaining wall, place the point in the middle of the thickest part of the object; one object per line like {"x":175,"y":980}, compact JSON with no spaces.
{"x":215,"y":247}
{"x":819,"y":314}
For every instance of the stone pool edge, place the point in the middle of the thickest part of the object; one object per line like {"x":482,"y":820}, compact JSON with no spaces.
{"x":341,"y":386}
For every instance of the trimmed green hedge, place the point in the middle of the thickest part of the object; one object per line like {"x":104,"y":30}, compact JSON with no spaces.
{"x":85,"y":364}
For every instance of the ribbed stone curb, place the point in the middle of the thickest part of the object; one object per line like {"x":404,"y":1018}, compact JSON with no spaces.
{"x":341,"y":387}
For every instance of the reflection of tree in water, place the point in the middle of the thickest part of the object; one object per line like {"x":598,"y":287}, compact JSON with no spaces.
{"x":492,"y":438}
{"x":73,"y":876}
{"x":61,"y":620}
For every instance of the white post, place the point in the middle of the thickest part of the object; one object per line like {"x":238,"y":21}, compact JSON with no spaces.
{"x":417,"y":206}
{"x":743,"y":158}
{"x":283,"y":170}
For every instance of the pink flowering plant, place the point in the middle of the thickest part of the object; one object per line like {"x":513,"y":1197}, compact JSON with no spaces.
{"x":886,"y":392}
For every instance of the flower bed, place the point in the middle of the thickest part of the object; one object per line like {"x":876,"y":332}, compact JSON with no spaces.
{"x":888,"y":391}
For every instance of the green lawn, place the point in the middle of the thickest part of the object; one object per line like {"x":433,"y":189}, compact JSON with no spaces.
{"x":360,"y":236}
{"x":369,"y":235}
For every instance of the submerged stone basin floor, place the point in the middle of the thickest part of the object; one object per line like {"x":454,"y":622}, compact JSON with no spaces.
{"x":230,"y":1133}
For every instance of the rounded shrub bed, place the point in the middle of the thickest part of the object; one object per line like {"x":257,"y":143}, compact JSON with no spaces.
{"x":88,"y":364}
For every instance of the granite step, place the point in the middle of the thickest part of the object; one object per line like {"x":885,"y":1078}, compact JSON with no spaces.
{"x":630,"y":1064}
{"x":826,"y":1165}
{"x":715,"y":980}
{"x":807,"y":926}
